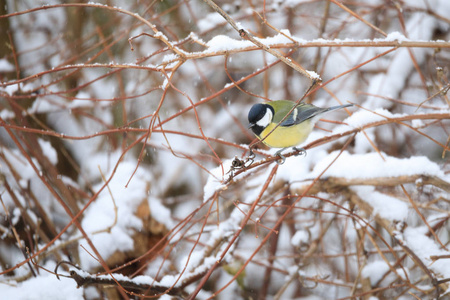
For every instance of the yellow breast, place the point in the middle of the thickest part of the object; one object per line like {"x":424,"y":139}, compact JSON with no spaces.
{"x":284,"y":137}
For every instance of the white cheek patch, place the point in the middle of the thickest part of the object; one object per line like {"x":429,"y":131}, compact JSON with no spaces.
{"x":265,"y":121}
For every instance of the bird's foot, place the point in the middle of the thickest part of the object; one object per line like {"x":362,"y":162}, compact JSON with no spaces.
{"x":281,"y":156}
{"x":300,"y":151}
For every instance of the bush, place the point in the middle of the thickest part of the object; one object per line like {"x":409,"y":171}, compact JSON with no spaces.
{"x":125,"y":166}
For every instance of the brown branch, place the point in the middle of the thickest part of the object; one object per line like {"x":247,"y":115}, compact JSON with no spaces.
{"x":84,"y":279}
{"x":328,"y":139}
{"x":335,"y":184}
{"x":245,"y":34}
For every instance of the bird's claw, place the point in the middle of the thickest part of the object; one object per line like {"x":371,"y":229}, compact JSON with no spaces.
{"x":281,"y":160}
{"x":251,"y":154}
{"x":281,"y":156}
{"x":300,"y":151}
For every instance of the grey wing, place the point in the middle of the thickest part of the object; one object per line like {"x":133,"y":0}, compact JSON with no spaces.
{"x":302,"y":113}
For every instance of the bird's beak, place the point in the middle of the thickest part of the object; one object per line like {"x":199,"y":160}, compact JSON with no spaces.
{"x":251,"y":125}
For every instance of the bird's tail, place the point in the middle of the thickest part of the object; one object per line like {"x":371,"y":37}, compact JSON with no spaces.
{"x":338,"y":106}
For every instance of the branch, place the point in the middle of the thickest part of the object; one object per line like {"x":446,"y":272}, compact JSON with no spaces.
{"x":82,"y":279}
{"x":245,"y":34}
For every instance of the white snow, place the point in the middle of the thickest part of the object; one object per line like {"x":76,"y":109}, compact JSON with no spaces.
{"x":82,"y":99}
{"x":215,"y":180}
{"x":6,"y":66}
{"x":6,"y":114}
{"x":210,"y":21}
{"x":101,"y":213}
{"x":301,"y":236}
{"x":372,"y":165}
{"x":283,"y":37}
{"x":425,"y":247}
{"x":395,"y":36}
{"x":375,"y":270}
{"x":45,"y":286}
{"x":160,"y":213}
{"x":225,"y":43}
{"x":385,"y":206}
{"x":48,"y":151}
{"x":363,"y":117}
{"x":192,"y":173}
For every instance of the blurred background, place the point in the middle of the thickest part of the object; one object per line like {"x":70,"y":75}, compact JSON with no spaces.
{"x":119,"y":121}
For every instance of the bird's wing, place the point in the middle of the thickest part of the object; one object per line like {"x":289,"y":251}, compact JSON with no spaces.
{"x":302,"y":113}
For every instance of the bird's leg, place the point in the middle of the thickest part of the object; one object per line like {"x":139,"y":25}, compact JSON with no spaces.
{"x":281,"y":156}
{"x":251,"y":154}
{"x":300,"y":151}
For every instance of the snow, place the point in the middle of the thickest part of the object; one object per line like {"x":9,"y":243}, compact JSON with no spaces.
{"x":372,"y":165}
{"x":183,"y":188}
{"x":313,"y":74}
{"x":292,"y":3}
{"x":425,"y":247}
{"x":169,"y":57}
{"x":375,"y":270}
{"x":10,"y":89}
{"x":215,"y":180}
{"x":210,"y":21}
{"x":395,"y":36}
{"x":101,"y":214}
{"x":160,"y":213}
{"x":82,"y":99}
{"x":48,"y":151}
{"x":385,"y":206}
{"x":389,"y":84}
{"x":45,"y":286}
{"x":225,"y":43}
{"x":354,"y":166}
{"x":6,"y":66}
{"x":283,"y":37}
{"x":6,"y":114}
{"x":300,"y":237}
{"x":378,"y":269}
{"x":44,"y":105}
{"x":361,"y":118}
{"x":417,"y":123}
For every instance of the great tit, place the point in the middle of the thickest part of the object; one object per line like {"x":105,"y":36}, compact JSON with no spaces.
{"x":295,"y":128}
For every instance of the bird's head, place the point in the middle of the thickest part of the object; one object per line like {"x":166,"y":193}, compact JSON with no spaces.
{"x":259,"y":117}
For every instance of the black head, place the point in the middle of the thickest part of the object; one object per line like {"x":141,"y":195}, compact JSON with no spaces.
{"x":259,"y":117}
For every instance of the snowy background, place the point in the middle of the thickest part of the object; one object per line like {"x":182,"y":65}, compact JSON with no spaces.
{"x":124,"y":162}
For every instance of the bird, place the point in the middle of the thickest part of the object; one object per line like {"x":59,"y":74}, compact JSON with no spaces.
{"x":293,"y":130}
